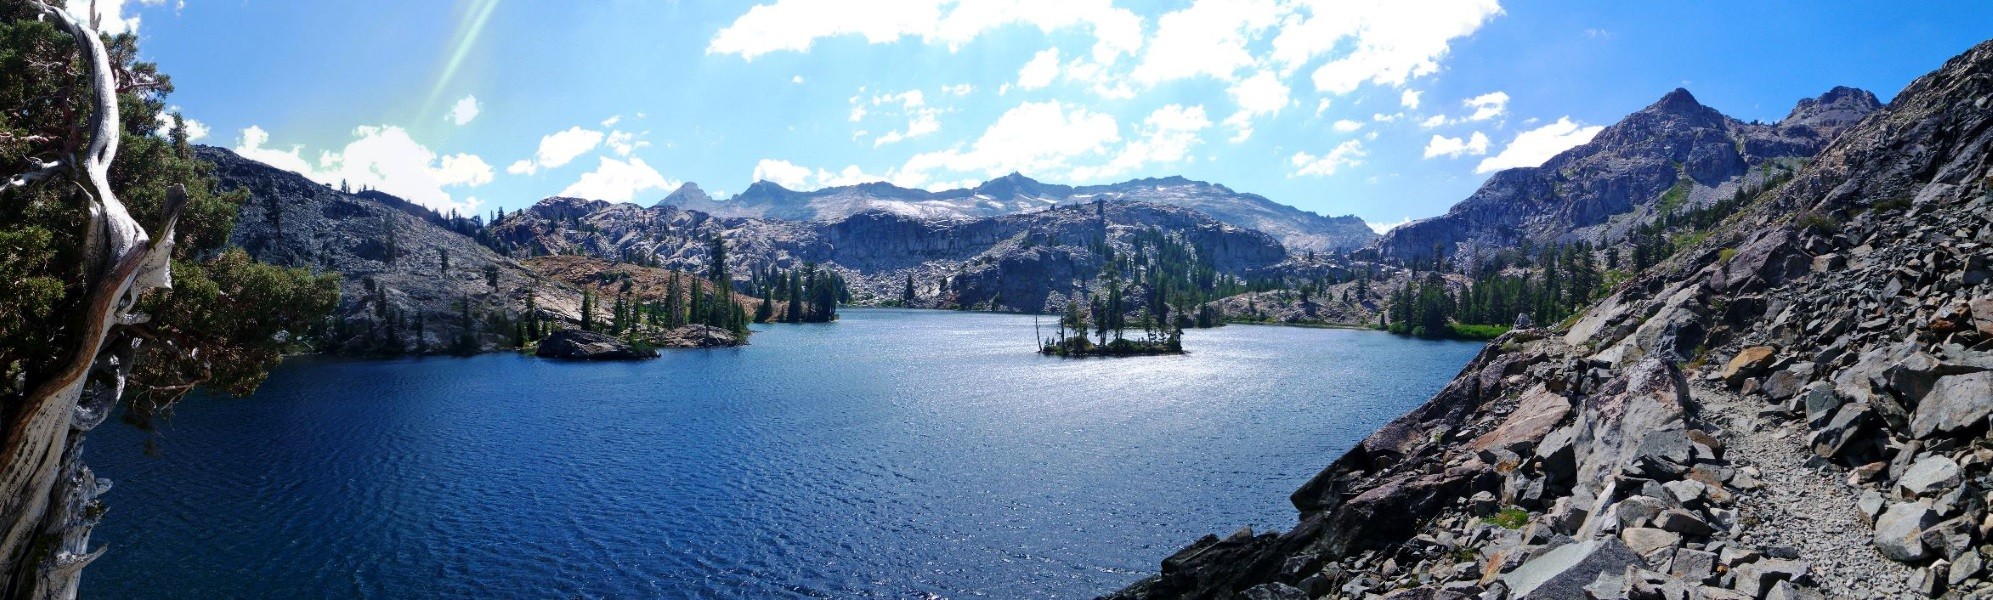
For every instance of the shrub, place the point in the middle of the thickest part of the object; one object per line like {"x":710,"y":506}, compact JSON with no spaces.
{"x":1817,"y":222}
{"x":1510,"y":518}
{"x":1723,"y":256}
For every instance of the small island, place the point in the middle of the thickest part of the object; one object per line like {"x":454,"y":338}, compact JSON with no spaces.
{"x":1160,"y":334}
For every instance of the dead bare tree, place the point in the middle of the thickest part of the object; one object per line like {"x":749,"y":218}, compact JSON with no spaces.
{"x":47,"y":496}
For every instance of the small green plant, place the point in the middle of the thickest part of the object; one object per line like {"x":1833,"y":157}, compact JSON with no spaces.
{"x":1723,"y":256}
{"x":1893,"y":204}
{"x":1510,"y":518}
{"x":1477,"y":332}
{"x":1817,"y":222}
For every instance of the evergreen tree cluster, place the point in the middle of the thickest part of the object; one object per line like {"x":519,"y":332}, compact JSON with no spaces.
{"x":806,"y":295}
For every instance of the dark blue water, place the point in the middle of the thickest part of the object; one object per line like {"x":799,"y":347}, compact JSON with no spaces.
{"x":892,"y":454}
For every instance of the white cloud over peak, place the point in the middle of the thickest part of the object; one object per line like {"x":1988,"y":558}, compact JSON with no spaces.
{"x":1042,"y":138}
{"x":1380,"y":228}
{"x":1346,"y":126}
{"x":618,"y":181}
{"x":796,"y":25}
{"x":382,"y":157}
{"x":783,"y":173}
{"x":1487,"y":106}
{"x":557,"y":150}
{"x":1040,"y":70}
{"x":1531,"y":148}
{"x":1346,"y":154}
{"x":1453,"y":147}
{"x":1167,"y":136}
{"x":464,"y":110}
{"x":1409,"y":99}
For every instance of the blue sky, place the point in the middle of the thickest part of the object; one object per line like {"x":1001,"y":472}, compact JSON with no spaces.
{"x":1388,"y":110}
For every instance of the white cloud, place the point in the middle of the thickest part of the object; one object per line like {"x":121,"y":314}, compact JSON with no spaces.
{"x":960,"y":89}
{"x":1168,"y":134}
{"x":110,"y":17}
{"x":1433,"y":121}
{"x":465,"y":170}
{"x":618,"y":181}
{"x":1381,"y":43}
{"x":1409,"y":99}
{"x":1040,"y":70}
{"x":1347,"y":154}
{"x":196,"y":130}
{"x":558,"y":149}
{"x":1532,"y":147}
{"x":1347,"y":126}
{"x":623,"y":142}
{"x":382,"y":157}
{"x":783,"y":173}
{"x":796,"y":79}
{"x":1380,"y":228}
{"x":464,"y":110}
{"x":1487,"y":106}
{"x":1041,"y":138}
{"x":1208,"y":38}
{"x":1452,"y":147}
{"x":795,"y":25}
{"x":922,"y":119}
{"x":1260,"y":94}
{"x":1322,"y":106}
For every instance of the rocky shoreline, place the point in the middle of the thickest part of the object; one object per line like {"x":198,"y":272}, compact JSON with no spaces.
{"x":1795,"y":407}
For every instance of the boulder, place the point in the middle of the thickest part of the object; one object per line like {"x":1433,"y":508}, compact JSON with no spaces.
{"x":1564,"y":571}
{"x":1787,"y":382}
{"x":1645,"y":540}
{"x":1931,"y":475}
{"x":1748,"y":362}
{"x":1820,"y":402}
{"x":1535,"y":415}
{"x":1758,"y":578}
{"x":575,"y":344}
{"x":1683,"y":522}
{"x":1899,"y":531}
{"x":1955,"y":402}
{"x":1282,"y":591}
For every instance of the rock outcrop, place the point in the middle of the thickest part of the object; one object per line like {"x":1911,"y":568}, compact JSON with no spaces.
{"x":1795,"y":407}
{"x":408,"y":285}
{"x":575,"y":344}
{"x":1676,"y":151}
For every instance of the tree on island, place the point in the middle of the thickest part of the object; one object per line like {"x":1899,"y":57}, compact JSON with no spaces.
{"x":95,"y":307}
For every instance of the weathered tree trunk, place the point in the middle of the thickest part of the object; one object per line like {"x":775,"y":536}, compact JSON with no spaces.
{"x":47,"y":497}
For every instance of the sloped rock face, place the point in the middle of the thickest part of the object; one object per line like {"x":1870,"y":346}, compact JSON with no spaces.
{"x":397,"y":295}
{"x":1600,"y":191}
{"x":1855,"y":286}
{"x":575,"y":344}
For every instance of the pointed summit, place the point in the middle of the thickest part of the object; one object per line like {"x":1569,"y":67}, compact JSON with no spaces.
{"x":1678,"y":102}
{"x":687,"y":196}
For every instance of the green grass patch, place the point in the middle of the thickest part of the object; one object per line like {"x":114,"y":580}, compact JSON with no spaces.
{"x":1477,"y":332}
{"x":1723,"y":256}
{"x":1510,"y":518}
{"x":1676,"y":196}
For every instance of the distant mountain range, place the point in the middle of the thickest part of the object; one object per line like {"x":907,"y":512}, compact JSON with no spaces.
{"x":1602,"y":190}
{"x":1297,"y":229}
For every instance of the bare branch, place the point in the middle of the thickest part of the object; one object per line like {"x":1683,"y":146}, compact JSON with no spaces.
{"x":43,"y":169}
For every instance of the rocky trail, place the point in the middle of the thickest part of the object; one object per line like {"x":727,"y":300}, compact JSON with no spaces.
{"x":1798,"y":507}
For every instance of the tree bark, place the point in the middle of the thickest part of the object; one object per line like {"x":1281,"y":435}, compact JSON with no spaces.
{"x":47,"y":496}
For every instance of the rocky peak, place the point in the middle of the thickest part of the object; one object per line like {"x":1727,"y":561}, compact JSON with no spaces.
{"x":562,"y":207}
{"x":688,"y":195}
{"x":765,"y":192}
{"x":1011,"y":186}
{"x":1682,"y":105}
{"x":1838,"y":108}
